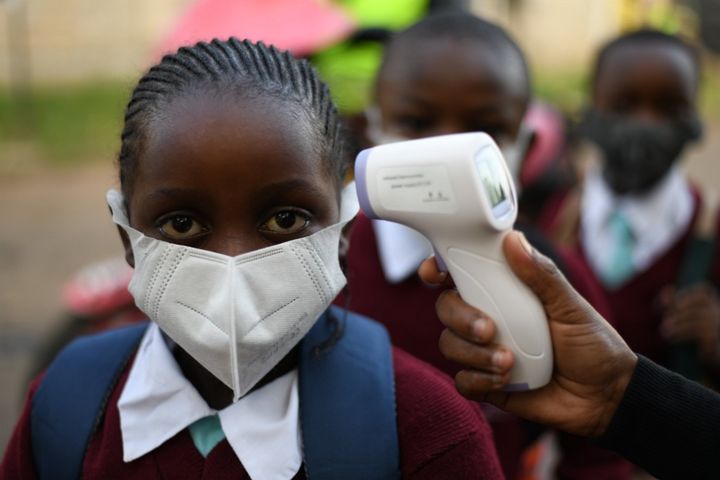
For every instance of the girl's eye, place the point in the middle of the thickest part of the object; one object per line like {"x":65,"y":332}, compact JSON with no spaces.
{"x":181,"y":227}
{"x":286,"y":222}
{"x":414,"y":124}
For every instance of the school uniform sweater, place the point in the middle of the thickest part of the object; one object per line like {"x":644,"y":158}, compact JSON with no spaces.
{"x":441,"y":435}
{"x":407,"y":310}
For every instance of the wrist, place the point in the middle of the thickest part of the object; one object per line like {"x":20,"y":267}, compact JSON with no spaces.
{"x":616,"y":392}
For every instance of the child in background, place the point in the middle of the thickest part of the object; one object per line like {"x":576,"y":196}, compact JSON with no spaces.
{"x":231,"y":171}
{"x":636,"y":217}
{"x":449,"y":73}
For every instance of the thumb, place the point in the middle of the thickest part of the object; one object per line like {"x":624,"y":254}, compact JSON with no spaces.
{"x":541,"y":275}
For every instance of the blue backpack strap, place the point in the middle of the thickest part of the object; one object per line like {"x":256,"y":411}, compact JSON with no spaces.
{"x":347,"y":400}
{"x":71,"y":399}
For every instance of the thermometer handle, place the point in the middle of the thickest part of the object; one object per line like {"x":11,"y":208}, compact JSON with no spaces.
{"x":486,"y":282}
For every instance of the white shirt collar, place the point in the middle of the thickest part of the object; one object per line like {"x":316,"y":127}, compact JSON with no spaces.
{"x":657,"y":219}
{"x":158,"y":402}
{"x":401,"y":249}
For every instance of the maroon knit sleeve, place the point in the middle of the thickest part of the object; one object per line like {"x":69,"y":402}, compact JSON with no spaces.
{"x":441,"y":434}
{"x":17,"y":462}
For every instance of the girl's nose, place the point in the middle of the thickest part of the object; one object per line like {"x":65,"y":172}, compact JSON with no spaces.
{"x":647,"y":113}
{"x":449,"y":126}
{"x":232,"y":245}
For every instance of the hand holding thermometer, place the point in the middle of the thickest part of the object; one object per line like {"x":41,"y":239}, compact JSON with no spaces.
{"x":457,"y":191}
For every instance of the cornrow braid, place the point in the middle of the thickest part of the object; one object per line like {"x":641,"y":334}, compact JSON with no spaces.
{"x":231,"y":65}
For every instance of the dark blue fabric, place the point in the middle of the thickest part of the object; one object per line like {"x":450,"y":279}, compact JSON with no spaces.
{"x":347,"y":400}
{"x":347,"y":395}
{"x":71,"y":399}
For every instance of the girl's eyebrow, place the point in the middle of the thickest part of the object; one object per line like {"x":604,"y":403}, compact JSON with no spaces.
{"x":265,"y":193}
{"x":272,"y":190}
{"x":412,"y":100}
{"x":176,"y":192}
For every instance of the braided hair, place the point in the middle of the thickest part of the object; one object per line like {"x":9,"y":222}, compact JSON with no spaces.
{"x":235,"y":66}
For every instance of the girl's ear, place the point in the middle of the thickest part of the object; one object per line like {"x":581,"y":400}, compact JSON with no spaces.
{"x":129,"y":257}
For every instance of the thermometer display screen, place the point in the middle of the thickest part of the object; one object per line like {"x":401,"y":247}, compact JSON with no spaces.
{"x":495,"y":181}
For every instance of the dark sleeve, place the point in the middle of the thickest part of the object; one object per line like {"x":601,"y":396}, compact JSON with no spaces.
{"x":442,"y":435}
{"x":667,"y":424}
{"x":17,"y":462}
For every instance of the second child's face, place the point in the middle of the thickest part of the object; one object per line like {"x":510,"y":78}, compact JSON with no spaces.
{"x":444,"y":87}
{"x":647,"y":82}
{"x":644,"y":114}
{"x":231,"y":176}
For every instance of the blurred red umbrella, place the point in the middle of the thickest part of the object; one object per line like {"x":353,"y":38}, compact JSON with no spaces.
{"x":301,"y":26}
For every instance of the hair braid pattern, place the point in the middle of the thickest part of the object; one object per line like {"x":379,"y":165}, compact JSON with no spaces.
{"x":232,"y":65}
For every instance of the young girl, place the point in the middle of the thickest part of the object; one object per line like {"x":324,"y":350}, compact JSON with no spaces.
{"x":231,"y":210}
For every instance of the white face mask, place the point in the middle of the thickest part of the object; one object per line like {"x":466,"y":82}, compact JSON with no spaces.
{"x":237,"y":316}
{"x":515,"y":153}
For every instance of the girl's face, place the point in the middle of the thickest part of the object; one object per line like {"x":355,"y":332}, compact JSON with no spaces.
{"x":231,"y":176}
{"x":450,"y":86}
{"x":648,"y":82}
{"x":644,"y":114}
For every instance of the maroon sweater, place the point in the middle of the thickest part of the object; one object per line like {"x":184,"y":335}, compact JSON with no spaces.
{"x":407,"y":309}
{"x":441,"y":435}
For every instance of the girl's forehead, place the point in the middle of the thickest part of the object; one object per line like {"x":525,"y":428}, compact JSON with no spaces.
{"x":231,"y":141}
{"x":447,"y":62}
{"x":206,"y":124}
{"x":649,"y":60}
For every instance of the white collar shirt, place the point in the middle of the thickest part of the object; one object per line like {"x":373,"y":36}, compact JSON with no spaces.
{"x":401,"y":249}
{"x":656,"y":219}
{"x":158,"y":402}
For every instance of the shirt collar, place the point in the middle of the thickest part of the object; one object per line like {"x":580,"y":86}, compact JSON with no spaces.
{"x":158,"y":402}
{"x":656,"y":219}
{"x":401,"y":249}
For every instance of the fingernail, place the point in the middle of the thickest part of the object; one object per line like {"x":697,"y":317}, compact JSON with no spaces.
{"x":498,"y":358}
{"x":525,"y":244}
{"x":479,"y":327}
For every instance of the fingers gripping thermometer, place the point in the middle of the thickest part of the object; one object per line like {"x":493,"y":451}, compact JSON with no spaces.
{"x":457,"y":191}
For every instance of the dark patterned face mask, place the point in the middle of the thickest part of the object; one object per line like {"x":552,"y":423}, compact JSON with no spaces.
{"x":637,"y":153}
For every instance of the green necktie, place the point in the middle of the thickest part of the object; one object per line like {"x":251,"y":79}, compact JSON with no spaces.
{"x":206,"y":433}
{"x":620,"y":266}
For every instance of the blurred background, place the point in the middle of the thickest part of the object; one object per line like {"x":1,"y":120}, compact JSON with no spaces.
{"x":67,"y":67}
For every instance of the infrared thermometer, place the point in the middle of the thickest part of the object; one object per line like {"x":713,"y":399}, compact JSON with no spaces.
{"x":457,"y":191}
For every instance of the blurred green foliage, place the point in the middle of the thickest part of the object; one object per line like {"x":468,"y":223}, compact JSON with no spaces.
{"x":66,"y":125}
{"x":566,"y":90}
{"x":71,"y":125}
